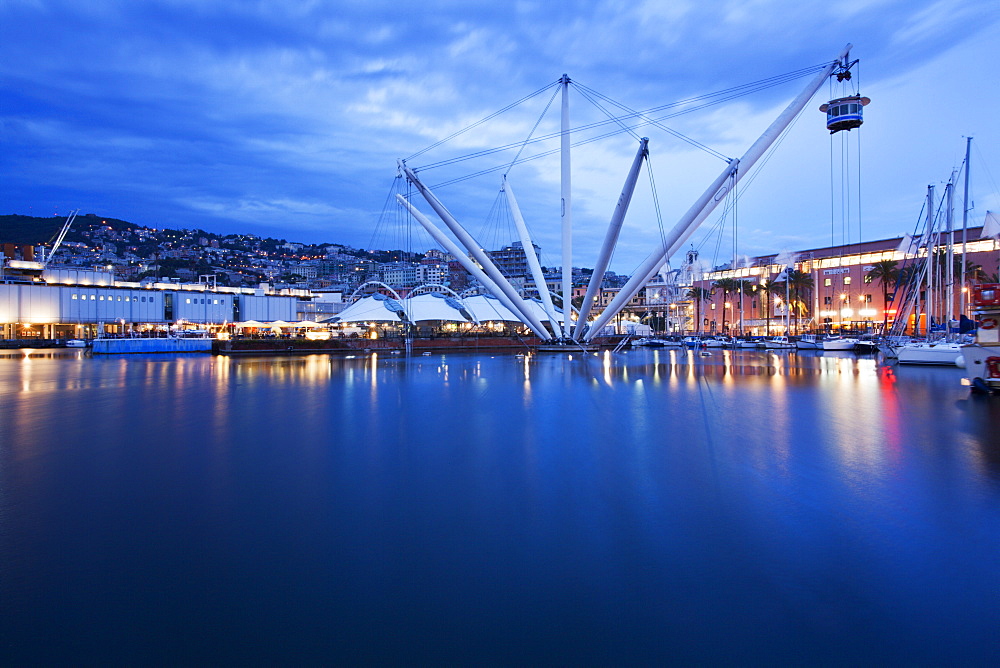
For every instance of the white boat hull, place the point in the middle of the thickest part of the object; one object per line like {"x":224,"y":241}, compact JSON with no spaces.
{"x":943,"y":354}
{"x":839,"y":344}
{"x":983,"y":362}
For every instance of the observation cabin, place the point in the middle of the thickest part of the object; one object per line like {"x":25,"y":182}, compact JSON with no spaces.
{"x":844,"y":113}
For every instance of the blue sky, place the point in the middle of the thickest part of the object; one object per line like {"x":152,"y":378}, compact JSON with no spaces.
{"x":286,"y":118}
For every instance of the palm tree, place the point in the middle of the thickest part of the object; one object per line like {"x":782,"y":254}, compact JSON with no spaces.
{"x":699,"y":295}
{"x":886,"y":271}
{"x":799,"y":284}
{"x":765,"y":288}
{"x":727,"y":285}
{"x":744,"y":288}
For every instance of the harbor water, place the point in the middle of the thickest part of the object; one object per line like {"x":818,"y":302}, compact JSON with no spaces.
{"x":653,"y":506}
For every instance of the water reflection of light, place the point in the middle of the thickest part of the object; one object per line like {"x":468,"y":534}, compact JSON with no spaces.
{"x":526,"y":370}
{"x":606,"y":367}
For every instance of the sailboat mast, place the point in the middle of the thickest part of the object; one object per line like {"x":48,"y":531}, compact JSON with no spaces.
{"x":965,"y":227}
{"x":566,"y":212}
{"x":950,"y":254}
{"x":931,"y":245}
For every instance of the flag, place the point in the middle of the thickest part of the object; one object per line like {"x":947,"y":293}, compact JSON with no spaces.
{"x":991,"y":226}
{"x":905,"y":245}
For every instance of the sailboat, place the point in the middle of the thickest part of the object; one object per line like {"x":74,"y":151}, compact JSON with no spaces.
{"x":932,"y":351}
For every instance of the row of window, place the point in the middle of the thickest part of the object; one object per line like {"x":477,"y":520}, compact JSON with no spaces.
{"x":842,"y":109}
{"x":847,"y":281}
{"x":862,"y":299}
{"x":141,"y":298}
{"x":100,"y":298}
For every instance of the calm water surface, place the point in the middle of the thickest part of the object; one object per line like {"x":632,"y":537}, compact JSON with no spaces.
{"x":639,"y":508}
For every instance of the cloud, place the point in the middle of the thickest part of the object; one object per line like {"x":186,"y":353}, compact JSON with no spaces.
{"x":292,"y":114}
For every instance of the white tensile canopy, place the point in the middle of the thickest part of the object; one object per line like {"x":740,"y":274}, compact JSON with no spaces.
{"x":369,"y":309}
{"x":486,"y":308}
{"x":435,"y":306}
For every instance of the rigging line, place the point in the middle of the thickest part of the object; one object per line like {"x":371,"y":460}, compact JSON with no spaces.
{"x":385,"y":211}
{"x":585,"y":95}
{"x":833,"y":208}
{"x":860,"y":237}
{"x":753,"y":86}
{"x":642,"y":115}
{"x":843,"y":167}
{"x":730,"y":94}
{"x":589,"y":126}
{"x":759,"y":167}
{"x":483,"y":120}
{"x":598,"y":138}
{"x":535,"y":127}
{"x":985,"y":167}
{"x":656,"y":202}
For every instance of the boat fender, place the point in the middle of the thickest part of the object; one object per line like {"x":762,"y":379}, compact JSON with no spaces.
{"x":979,"y":386}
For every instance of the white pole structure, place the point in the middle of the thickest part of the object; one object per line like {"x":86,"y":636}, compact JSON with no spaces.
{"x":688,"y":223}
{"x":931,"y":246}
{"x":611,"y":238}
{"x":464,"y":260}
{"x":950,"y":256}
{"x":566,"y":212}
{"x":529,"y":252}
{"x":965,"y":227}
{"x":527,"y":317}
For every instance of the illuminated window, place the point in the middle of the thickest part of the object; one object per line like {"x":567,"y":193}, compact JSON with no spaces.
{"x":868,"y":278}
{"x":93,"y":298}
{"x":187,"y":301}
{"x":828,"y":282}
{"x":74,"y":296}
{"x":847,"y":280}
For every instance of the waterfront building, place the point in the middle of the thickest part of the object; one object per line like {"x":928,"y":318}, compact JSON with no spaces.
{"x":512,"y":260}
{"x":837,"y":294}
{"x":69,"y":303}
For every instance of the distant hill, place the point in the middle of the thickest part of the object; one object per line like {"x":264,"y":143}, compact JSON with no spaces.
{"x":18,"y":229}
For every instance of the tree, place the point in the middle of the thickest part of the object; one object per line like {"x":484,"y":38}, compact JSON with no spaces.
{"x":699,"y":295}
{"x":764,"y":291}
{"x":800,"y":284}
{"x":886,"y":271}
{"x":727,"y":285}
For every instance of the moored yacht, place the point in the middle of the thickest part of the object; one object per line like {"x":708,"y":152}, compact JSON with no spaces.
{"x":982,"y":358}
{"x":839,"y":343}
{"x":809,"y":342}
{"x":779,"y":343}
{"x":939,"y":352}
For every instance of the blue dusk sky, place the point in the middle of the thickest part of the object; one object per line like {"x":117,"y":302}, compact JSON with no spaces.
{"x":287,"y":118}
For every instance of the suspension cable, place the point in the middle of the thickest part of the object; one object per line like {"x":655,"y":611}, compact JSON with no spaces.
{"x":699,"y":102}
{"x":483,"y":120}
